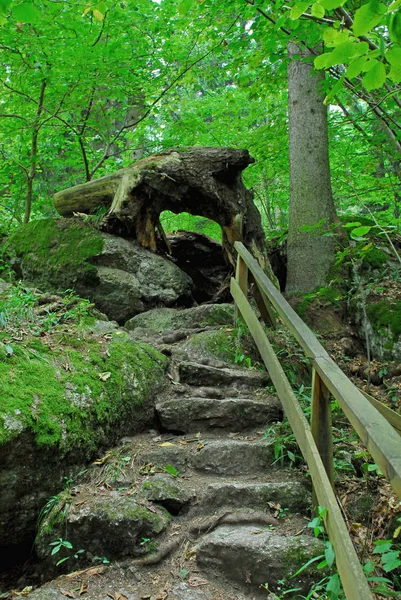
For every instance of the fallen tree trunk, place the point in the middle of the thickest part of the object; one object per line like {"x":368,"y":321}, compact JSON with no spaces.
{"x":201,"y":181}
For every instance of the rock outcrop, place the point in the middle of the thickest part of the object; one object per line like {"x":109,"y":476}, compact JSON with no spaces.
{"x":70,"y":385}
{"x":119,"y":276}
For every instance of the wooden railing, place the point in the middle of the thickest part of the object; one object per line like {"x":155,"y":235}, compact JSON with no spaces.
{"x":377,"y":425}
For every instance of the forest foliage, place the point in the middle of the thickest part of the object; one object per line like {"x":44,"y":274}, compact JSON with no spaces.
{"x":89,"y":87}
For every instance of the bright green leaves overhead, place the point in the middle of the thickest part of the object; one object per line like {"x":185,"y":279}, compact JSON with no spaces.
{"x":4,"y":8}
{"x":343,"y":53}
{"x":395,"y":27}
{"x":317,"y":11}
{"x":331,"y":4}
{"x":375,"y":76}
{"x":298,"y":9}
{"x":352,"y":39}
{"x":26,"y":13}
{"x":367,"y":17}
{"x":185,"y":6}
{"x":98,"y":11}
{"x":394,"y":58}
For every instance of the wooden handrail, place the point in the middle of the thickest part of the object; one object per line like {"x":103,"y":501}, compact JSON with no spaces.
{"x":377,"y":425}
{"x":352,"y":576}
{"x":376,"y":433}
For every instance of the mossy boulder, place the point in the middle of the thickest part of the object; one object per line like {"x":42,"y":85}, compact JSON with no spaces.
{"x":384,"y":328}
{"x":110,"y":525}
{"x":165,"y":319}
{"x":66,"y":392}
{"x":119,"y":276}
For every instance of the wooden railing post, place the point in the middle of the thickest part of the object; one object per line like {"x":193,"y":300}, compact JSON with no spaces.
{"x":321,"y":426}
{"x":241,"y":275}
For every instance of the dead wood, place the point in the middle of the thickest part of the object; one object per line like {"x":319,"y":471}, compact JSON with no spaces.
{"x":202,"y":181}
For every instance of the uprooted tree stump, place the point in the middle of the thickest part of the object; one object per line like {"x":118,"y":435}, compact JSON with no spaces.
{"x":201,"y":181}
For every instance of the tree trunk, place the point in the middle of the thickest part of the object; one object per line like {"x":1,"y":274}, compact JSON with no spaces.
{"x":202,"y":181}
{"x":310,"y":252}
{"x":31,"y":173}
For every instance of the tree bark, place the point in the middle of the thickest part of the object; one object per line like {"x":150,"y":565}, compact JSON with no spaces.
{"x":310,"y":252}
{"x":202,"y":181}
{"x":31,"y":174}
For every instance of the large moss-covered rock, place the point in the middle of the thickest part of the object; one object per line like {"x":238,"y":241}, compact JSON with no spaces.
{"x":66,"y":391}
{"x":110,"y":525}
{"x":119,"y":276}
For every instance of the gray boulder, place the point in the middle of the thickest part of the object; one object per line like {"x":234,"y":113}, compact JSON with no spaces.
{"x":119,"y":276}
{"x":252,"y":557}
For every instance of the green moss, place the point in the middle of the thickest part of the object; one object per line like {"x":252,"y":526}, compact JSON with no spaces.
{"x":386,"y":315}
{"x":218,"y":315}
{"x":75,"y":399}
{"x":298,"y":555}
{"x":53,"y":249}
{"x":331,"y":294}
{"x":217,"y":343}
{"x":374,"y":258}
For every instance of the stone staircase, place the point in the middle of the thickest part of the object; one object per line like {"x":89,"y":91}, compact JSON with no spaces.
{"x":194,"y":509}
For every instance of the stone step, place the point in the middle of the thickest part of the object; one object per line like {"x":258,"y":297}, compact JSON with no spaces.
{"x":170,"y":319}
{"x":253,"y":556}
{"x":183,"y":389}
{"x":290,"y":494}
{"x":185,"y":415}
{"x":198,"y":374}
{"x":214,"y":456}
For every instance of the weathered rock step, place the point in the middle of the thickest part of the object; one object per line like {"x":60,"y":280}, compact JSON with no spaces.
{"x":198,"y":374}
{"x":208,"y":392}
{"x":204,"y":495}
{"x":252,"y":556}
{"x":215,"y":456}
{"x":194,"y":414}
{"x":289,"y":494}
{"x":168,"y":320}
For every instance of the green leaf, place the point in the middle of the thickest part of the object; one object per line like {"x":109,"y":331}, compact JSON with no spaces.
{"x":391,"y":560}
{"x":394,"y":56}
{"x":185,"y":6}
{"x":26,"y":13}
{"x":298,"y":9}
{"x":306,"y":565}
{"x":329,"y":553}
{"x":368,"y":65}
{"x":322,"y":61}
{"x":367,"y":17}
{"x":346,"y":51}
{"x":4,"y":6}
{"x":172,"y":470}
{"x":333,"y":37}
{"x":331,"y":4}
{"x":355,"y":68}
{"x":369,"y":567}
{"x":359,"y":232}
{"x":317,"y":11}
{"x":333,"y":587}
{"x":382,"y":546}
{"x":394,"y":5}
{"x":395,"y":27}
{"x":375,"y":77}
{"x":353,"y":224}
{"x":334,"y":90}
